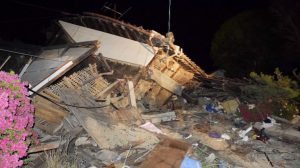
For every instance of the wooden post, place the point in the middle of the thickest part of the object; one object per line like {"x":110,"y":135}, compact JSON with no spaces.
{"x":132,"y":98}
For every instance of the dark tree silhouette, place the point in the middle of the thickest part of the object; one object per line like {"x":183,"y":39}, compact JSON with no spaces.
{"x":246,"y":43}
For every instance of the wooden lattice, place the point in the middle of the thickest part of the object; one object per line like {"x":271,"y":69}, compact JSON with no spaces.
{"x":78,"y":80}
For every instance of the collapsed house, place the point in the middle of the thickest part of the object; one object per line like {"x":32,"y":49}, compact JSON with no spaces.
{"x":104,"y":53}
{"x":102,"y":74}
{"x":112,"y":81}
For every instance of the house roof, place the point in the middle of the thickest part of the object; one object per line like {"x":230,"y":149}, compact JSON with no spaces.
{"x":129,"y":31}
{"x":116,"y":27}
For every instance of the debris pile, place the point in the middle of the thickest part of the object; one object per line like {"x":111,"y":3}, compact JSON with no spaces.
{"x":117,"y":95}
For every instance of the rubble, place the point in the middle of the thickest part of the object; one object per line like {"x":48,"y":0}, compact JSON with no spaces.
{"x":118,"y":97}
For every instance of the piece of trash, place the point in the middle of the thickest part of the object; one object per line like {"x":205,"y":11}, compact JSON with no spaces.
{"x":268,"y":122}
{"x":243,"y":133}
{"x":231,"y":106}
{"x":214,"y":135}
{"x":251,"y":106}
{"x":195,"y":144}
{"x":212,"y":108}
{"x":151,"y":127}
{"x":189,"y":136}
{"x":160,"y":117}
{"x":245,"y":138}
{"x":261,"y":135}
{"x":239,"y":123}
{"x":210,"y":158}
{"x":222,"y":164}
{"x":225,"y":136}
{"x":190,"y":163}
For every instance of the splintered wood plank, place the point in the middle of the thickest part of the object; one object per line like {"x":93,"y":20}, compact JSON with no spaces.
{"x":166,"y":82}
{"x":152,"y":94}
{"x":131,"y":94}
{"x":182,"y":76}
{"x":49,"y":111}
{"x":171,"y":67}
{"x":44,"y":147}
{"x":50,"y":128}
{"x":107,"y":90}
{"x":163,"y":96}
{"x":91,"y":119}
{"x":142,"y":88}
{"x":169,"y":153}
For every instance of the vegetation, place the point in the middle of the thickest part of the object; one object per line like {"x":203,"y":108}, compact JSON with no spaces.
{"x":55,"y":159}
{"x":16,"y":121}
{"x":277,"y":88}
{"x":259,"y":40}
{"x":245,"y":43}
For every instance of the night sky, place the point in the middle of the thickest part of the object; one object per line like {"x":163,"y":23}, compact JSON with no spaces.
{"x":192,"y":22}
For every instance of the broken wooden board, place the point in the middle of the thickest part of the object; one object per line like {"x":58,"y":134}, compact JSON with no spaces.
{"x":107,"y":90}
{"x":182,"y":76}
{"x":127,"y":116}
{"x":161,"y":117}
{"x":98,"y":124}
{"x":169,"y":153}
{"x":45,"y":147}
{"x":49,"y":111}
{"x":142,"y":88}
{"x":50,"y":128}
{"x":53,"y":64}
{"x":132,"y":98}
{"x":158,"y":95}
{"x":121,"y":103}
{"x":165,"y":81}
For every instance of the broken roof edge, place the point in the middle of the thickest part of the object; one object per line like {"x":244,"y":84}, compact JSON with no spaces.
{"x":142,"y":30}
{"x":151,"y":34}
{"x":132,"y":32}
{"x":65,"y":67}
{"x":75,"y":44}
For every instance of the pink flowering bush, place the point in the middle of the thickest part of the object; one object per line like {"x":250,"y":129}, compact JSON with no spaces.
{"x":16,"y":120}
